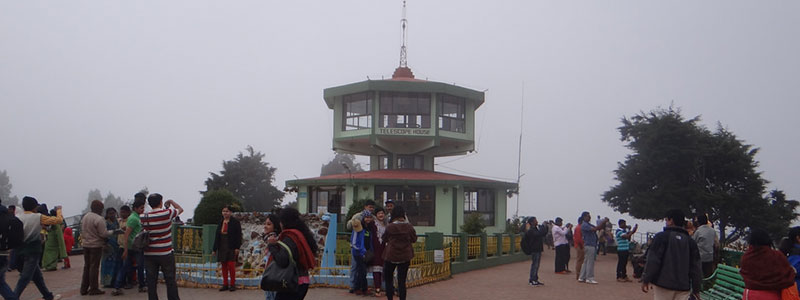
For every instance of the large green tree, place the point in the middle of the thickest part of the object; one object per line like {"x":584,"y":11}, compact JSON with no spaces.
{"x":678,"y":163}
{"x":5,"y":190}
{"x":250,"y":179}
{"x":338,"y":163}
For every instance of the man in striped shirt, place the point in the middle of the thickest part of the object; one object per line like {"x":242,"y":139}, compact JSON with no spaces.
{"x":158,"y":253}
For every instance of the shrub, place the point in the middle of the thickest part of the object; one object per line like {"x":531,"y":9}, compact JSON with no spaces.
{"x":209,"y":211}
{"x":473,"y":224}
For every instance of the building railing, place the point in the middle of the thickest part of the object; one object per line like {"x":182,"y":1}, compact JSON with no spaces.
{"x":434,"y":255}
{"x":491,"y":246}
{"x":473,"y":246}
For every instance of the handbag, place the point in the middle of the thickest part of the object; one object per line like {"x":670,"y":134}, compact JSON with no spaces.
{"x":279,"y":279}
{"x":141,"y":240}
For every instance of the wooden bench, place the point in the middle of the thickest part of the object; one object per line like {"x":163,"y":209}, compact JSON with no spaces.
{"x":726,"y":284}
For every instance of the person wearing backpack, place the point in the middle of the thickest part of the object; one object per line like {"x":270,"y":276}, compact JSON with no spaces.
{"x":30,"y":252}
{"x":533,"y":245}
{"x":133,"y":225}
{"x":10,"y":238}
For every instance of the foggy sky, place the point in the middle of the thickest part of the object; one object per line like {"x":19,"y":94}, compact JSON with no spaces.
{"x":121,"y":95}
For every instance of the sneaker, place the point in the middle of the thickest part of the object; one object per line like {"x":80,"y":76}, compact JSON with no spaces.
{"x":116,"y":292}
{"x":142,"y":290}
{"x":57,"y":297}
{"x":581,"y":280}
{"x":562,"y":273}
{"x":539,"y":283}
{"x":96,"y":292}
{"x":232,"y":288}
{"x":532,"y":283}
{"x":223,"y":288}
{"x":591,"y":281}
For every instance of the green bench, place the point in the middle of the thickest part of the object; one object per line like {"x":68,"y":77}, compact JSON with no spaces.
{"x":726,"y":284}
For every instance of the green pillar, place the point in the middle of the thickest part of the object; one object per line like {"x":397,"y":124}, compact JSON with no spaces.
{"x":209,"y":234}
{"x":484,"y":245}
{"x":463,"y":252}
{"x":434,"y":241}
{"x":499,"y":237}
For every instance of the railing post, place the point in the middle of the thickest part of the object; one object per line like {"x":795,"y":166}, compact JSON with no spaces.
{"x":209,"y":234}
{"x":434,"y":241}
{"x":464,"y":245}
{"x":484,"y":245}
{"x":499,"y":237}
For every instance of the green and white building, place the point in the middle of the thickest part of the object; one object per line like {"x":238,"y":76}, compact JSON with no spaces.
{"x":403,"y":124}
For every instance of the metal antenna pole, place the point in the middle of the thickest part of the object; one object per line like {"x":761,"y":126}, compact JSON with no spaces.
{"x":519,"y":151}
{"x":403,"y":24}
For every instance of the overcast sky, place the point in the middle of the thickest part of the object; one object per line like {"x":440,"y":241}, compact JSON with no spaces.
{"x":118,"y":95}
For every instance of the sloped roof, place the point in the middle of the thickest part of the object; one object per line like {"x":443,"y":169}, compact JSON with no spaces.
{"x":401,"y":176}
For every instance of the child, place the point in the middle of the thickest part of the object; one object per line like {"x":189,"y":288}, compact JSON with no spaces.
{"x":69,"y":241}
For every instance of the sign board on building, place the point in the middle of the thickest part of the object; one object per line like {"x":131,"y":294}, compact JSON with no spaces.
{"x":404,"y":131}
{"x":438,"y":256}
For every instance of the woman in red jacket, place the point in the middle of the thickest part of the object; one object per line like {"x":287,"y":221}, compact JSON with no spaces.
{"x":69,"y":241}
{"x":766,"y":272}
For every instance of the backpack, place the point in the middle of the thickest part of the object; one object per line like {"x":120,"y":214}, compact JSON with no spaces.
{"x":525,"y":244}
{"x":11,"y":235}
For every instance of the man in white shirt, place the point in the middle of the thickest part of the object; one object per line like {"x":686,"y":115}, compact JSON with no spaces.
{"x":562,"y":245}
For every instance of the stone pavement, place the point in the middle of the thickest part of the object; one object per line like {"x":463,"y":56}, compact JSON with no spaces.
{"x":503,"y":282}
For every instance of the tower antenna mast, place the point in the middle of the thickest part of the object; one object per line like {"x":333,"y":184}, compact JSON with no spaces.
{"x":403,"y":25}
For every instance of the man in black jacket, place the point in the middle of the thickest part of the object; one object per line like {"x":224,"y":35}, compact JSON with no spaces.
{"x":673,"y":262}
{"x":535,"y":234}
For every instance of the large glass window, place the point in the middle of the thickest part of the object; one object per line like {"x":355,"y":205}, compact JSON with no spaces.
{"x":452,"y":113}
{"x":321,"y":197}
{"x":418,"y":201}
{"x":405,"y":110}
{"x":357,"y":111}
{"x":409,"y":162}
{"x":480,"y":201}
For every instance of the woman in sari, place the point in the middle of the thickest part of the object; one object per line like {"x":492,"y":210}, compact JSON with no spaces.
{"x":111,"y":260}
{"x":54,"y":247}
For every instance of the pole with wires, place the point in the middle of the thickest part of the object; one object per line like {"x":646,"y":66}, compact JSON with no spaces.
{"x":519,"y":151}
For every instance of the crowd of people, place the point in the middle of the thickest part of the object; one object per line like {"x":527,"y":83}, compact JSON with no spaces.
{"x":381,"y":243}
{"x":677,"y":260}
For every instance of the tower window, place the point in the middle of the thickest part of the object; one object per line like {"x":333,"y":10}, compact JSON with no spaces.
{"x":357,"y":111}
{"x":482,"y":202}
{"x":405,"y":110}
{"x":452,"y":113}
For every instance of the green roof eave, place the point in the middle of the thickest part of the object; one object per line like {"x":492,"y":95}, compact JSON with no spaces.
{"x":409,"y":182}
{"x":403,"y":86}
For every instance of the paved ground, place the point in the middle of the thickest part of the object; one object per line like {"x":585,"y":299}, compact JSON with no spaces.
{"x":504,"y":282}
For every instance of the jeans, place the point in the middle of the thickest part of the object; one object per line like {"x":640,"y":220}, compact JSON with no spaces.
{"x":579,"y":261}
{"x":123,"y":276}
{"x":622,"y":264}
{"x":536,"y":258}
{"x":352,"y":273}
{"x":165,"y":263}
{"x":587,"y":269}
{"x":31,"y":272}
{"x":388,"y":279}
{"x":91,"y":269}
{"x":562,"y":257}
{"x":5,"y":290}
{"x":361,"y":274}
